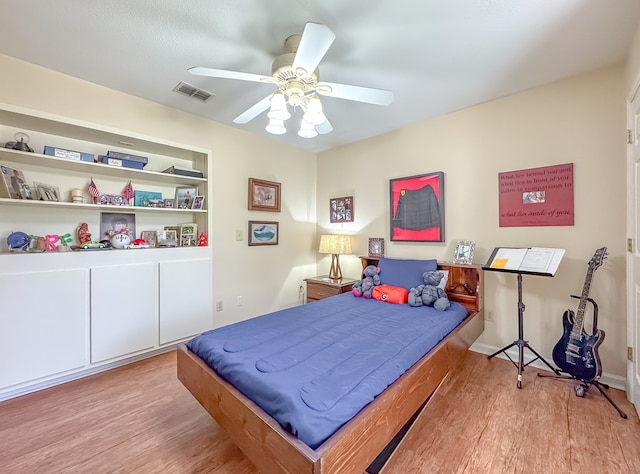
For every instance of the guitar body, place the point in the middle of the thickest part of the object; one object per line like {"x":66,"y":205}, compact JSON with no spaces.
{"x":578,"y":356}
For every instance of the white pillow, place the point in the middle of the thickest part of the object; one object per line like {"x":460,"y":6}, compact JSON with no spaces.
{"x":443,"y":282}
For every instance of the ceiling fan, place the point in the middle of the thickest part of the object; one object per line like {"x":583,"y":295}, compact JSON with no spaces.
{"x":295,"y":75}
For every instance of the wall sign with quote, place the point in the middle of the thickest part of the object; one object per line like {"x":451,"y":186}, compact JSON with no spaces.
{"x":536,"y":196}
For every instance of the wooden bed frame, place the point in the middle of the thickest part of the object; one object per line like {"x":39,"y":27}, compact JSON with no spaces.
{"x":357,"y":443}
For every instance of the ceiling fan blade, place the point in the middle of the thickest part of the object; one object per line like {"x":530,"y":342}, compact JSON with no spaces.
{"x":221,"y":73}
{"x":314,"y":44}
{"x":253,"y":111}
{"x":357,"y":93}
{"x":324,"y":128}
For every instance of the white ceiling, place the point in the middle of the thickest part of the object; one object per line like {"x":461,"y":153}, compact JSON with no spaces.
{"x":437,"y":56}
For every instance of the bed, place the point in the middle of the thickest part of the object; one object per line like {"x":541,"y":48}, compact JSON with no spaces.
{"x":358,"y":440}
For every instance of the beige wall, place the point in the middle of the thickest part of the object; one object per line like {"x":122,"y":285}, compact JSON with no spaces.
{"x":633,"y":62}
{"x":267,"y":278}
{"x":580,"y":120}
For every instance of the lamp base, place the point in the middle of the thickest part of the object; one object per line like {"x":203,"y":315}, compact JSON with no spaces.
{"x":335,"y":272}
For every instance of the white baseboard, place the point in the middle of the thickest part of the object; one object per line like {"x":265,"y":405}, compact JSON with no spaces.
{"x":614,"y":381}
{"x":30,"y":387}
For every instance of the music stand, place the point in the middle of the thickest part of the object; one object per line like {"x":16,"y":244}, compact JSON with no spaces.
{"x":524,"y":261}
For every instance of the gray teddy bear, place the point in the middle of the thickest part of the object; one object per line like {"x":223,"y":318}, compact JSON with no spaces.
{"x":429,"y":294}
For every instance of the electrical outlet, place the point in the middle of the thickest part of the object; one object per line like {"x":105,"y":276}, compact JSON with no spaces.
{"x":238,"y":300}
{"x":488,"y":315}
{"x":219,"y":305}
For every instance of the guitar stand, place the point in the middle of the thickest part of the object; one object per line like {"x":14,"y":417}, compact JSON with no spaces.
{"x":521,"y":343}
{"x":582,"y":386}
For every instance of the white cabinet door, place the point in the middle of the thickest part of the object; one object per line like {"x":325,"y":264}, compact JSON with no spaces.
{"x":124,"y":309}
{"x":185,"y":299}
{"x":42,"y":324}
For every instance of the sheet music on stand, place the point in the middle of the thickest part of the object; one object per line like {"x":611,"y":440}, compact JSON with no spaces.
{"x":524,"y":261}
{"x":528,"y":260}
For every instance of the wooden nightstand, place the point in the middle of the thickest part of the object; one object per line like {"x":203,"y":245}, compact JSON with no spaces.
{"x":322,"y":287}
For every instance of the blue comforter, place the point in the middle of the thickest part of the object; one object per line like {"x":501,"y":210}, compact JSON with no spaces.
{"x":315,"y":366}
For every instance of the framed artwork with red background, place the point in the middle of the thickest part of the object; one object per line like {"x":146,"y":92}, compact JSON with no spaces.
{"x":417,"y":208}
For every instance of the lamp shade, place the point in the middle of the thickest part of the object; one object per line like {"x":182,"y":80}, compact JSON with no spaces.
{"x":278,"y":109}
{"x":314,"y":114}
{"x":307,"y":130}
{"x":335,"y":244}
{"x":276,"y":127}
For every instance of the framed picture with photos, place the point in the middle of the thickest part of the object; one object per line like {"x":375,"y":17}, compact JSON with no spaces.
{"x":198,"y":202}
{"x":47,"y":192}
{"x":150,"y":237}
{"x":14,"y":185}
{"x":185,"y":196}
{"x":341,"y":209}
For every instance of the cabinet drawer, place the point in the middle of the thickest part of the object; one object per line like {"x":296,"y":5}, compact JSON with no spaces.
{"x":317,"y":291}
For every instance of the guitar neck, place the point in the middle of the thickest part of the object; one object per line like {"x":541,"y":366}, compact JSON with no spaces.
{"x":576,"y":332}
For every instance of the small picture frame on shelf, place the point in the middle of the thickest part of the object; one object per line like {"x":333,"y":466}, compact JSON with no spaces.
{"x":150,"y":237}
{"x":169,"y":203}
{"x":115,"y":223}
{"x":341,"y":209}
{"x":464,"y":252}
{"x":167,"y":238}
{"x":185,"y":196}
{"x":264,"y":195}
{"x":376,"y":247}
{"x":14,"y":185}
{"x":188,"y":234}
{"x":112,"y":200}
{"x":47,"y":192}
{"x":144,"y":198}
{"x":198,"y":202}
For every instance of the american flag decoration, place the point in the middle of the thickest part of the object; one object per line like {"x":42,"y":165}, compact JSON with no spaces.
{"x":93,"y":190}
{"x":127,"y":192}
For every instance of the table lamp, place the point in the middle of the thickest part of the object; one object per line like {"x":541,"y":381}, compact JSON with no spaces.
{"x":335,"y":245}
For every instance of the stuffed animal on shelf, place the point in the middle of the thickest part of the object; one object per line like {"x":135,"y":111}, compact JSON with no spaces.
{"x":429,"y":294}
{"x":365,"y":286}
{"x":83,"y":234}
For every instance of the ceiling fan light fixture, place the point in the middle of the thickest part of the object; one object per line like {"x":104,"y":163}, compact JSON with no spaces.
{"x":278,"y":109}
{"x":276,"y":127}
{"x":307,"y":130}
{"x":314,"y":113}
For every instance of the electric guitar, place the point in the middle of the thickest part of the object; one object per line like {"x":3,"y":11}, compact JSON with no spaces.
{"x":576,"y":353}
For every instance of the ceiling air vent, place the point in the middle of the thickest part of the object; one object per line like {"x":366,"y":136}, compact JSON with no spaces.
{"x":193,"y":92}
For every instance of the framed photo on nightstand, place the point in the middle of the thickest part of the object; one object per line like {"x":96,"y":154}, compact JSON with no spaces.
{"x":376,"y":247}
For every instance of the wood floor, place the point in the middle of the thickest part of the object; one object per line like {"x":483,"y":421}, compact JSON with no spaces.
{"x":140,"y":419}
